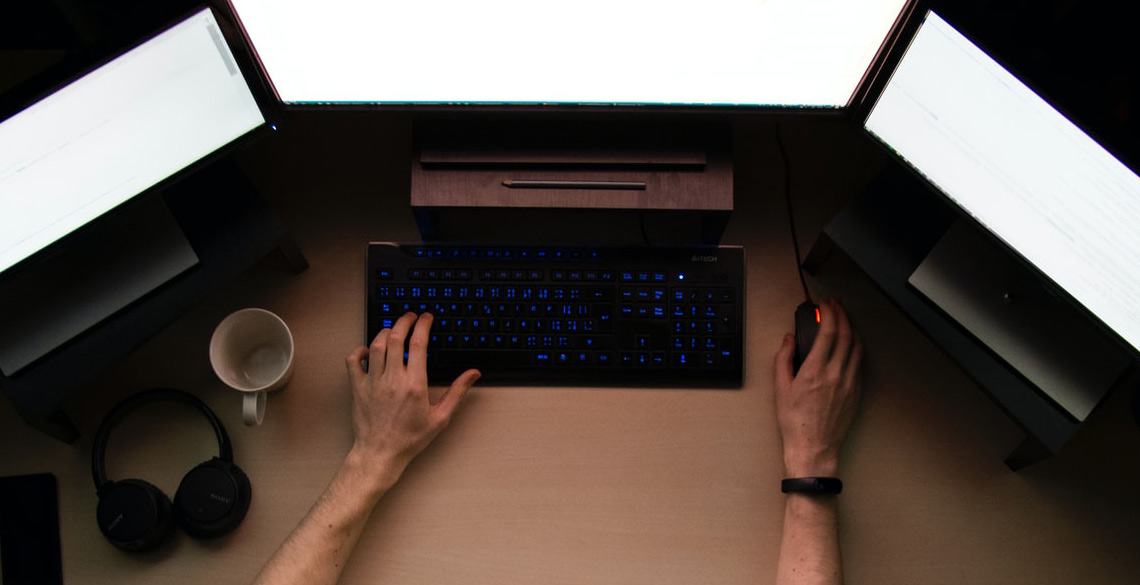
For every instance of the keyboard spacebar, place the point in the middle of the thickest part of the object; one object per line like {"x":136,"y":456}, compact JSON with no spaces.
{"x":481,"y":358}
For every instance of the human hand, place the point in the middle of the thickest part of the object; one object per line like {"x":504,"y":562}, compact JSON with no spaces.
{"x":815,"y":408}
{"x":393,"y":419}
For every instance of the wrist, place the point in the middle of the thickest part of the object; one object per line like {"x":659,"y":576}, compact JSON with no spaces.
{"x":806,"y":464}
{"x":370,"y":474}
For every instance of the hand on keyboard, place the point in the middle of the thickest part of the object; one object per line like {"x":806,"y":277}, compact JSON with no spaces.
{"x":393,"y":419}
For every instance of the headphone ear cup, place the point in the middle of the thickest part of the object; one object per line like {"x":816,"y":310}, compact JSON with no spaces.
{"x":134,"y":515}
{"x":212,"y":499}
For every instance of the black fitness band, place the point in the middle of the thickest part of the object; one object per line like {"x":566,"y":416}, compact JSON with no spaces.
{"x":812,"y":485}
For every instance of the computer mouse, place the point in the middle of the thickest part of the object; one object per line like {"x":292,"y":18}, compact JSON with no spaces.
{"x":807,"y":326}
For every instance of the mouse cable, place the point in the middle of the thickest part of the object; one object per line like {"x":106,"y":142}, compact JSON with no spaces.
{"x":791,"y":215}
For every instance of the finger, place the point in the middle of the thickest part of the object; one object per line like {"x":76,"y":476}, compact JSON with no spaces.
{"x":417,"y":347}
{"x":377,"y":352}
{"x":394,"y":361}
{"x":821,"y":348}
{"x":454,"y":395}
{"x":784,"y":372}
{"x":355,"y":363}
{"x":853,"y":371}
{"x":842,"y":347}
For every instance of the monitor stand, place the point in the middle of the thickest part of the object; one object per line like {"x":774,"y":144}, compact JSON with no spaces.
{"x":97,"y":272}
{"x":1010,"y":310}
{"x":229,"y":225}
{"x":891,"y":229}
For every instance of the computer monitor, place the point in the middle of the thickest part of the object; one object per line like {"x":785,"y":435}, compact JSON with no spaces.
{"x":116,"y":132}
{"x":595,"y":54}
{"x":1020,"y":168}
{"x":123,"y":129}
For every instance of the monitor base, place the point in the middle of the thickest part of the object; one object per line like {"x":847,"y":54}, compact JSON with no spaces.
{"x":1012,"y":312}
{"x":95,"y":273}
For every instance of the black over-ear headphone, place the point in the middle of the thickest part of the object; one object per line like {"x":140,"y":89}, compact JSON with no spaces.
{"x":136,"y":516}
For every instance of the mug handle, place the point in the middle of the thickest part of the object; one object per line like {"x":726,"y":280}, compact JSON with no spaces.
{"x":253,"y":408}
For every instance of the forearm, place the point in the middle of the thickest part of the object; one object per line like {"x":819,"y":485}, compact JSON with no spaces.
{"x":318,"y":549}
{"x":809,"y":551}
{"x":814,"y":409}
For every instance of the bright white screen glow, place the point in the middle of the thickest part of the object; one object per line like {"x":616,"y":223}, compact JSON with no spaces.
{"x":1020,"y":168}
{"x":117,"y":131}
{"x":714,"y":52}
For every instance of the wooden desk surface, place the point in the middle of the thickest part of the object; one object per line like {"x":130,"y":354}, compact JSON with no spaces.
{"x":539,"y":485}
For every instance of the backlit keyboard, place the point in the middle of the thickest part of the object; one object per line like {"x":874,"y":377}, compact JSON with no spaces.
{"x":595,"y":316}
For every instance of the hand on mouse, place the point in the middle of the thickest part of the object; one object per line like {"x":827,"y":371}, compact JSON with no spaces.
{"x":815,"y":408}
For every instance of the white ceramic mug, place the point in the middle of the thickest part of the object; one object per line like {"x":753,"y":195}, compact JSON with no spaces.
{"x":252,"y":352}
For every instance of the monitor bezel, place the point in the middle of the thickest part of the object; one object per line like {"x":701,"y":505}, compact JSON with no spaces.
{"x":861,"y":113}
{"x":74,"y":67}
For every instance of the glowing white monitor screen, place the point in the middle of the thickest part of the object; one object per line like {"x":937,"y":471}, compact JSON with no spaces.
{"x":1019,"y":167}
{"x":116,"y":132}
{"x":810,"y":53}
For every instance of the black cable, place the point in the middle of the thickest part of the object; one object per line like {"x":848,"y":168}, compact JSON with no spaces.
{"x":791,"y":215}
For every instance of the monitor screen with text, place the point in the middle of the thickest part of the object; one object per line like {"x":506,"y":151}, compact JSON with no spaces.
{"x":1020,"y":168}
{"x":118,"y":131}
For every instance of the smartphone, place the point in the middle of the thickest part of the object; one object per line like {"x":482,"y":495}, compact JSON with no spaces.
{"x":29,"y":530}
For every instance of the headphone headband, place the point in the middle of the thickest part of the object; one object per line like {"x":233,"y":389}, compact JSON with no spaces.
{"x":132,"y":403}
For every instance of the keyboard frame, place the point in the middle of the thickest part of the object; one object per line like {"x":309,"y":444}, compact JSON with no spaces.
{"x":716,"y":267}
